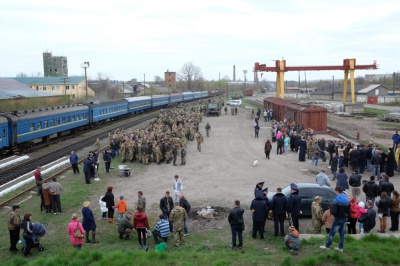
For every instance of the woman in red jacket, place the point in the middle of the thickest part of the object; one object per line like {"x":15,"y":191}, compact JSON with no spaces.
{"x":72,"y":226}
{"x":141,"y":224}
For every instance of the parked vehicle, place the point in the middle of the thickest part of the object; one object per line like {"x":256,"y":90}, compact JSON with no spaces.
{"x":307,"y":192}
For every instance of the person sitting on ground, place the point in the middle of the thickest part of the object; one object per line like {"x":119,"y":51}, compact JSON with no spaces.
{"x":125,"y":227}
{"x":322,"y":179}
{"x":161,"y":229}
{"x":292,"y":240}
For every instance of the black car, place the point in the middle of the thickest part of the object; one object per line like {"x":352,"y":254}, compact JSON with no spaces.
{"x":307,"y":192}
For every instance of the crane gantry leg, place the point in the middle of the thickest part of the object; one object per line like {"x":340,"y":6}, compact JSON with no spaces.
{"x":346,"y":80}
{"x":352,"y":63}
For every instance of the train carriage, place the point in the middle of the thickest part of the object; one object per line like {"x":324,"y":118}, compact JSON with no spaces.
{"x":4,"y":133}
{"x":100,"y":112}
{"x":187,"y":96}
{"x":159,"y":100}
{"x":136,"y":104}
{"x":27,"y":126}
{"x":204,"y":94}
{"x":198,"y":94}
{"x":175,"y":98}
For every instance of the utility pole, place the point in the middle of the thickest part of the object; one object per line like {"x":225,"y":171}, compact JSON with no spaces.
{"x":219,"y":81}
{"x":144,"y":84}
{"x":333,"y":87}
{"x":86,"y":65}
{"x":65,"y":79}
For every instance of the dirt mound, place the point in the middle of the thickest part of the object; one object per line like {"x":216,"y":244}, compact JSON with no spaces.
{"x":201,"y":219}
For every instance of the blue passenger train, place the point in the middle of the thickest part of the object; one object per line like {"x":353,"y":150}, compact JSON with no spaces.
{"x":20,"y":130}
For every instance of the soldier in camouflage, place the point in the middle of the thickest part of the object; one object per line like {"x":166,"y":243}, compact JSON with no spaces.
{"x":177,"y":217}
{"x":183,"y":155}
{"x":317,"y":212}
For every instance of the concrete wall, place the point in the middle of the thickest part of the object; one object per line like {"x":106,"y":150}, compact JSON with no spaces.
{"x":74,"y":90}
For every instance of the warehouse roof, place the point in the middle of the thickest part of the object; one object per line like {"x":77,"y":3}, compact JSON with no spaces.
{"x":50,"y":80}
{"x":10,"y":88}
{"x":370,"y":88}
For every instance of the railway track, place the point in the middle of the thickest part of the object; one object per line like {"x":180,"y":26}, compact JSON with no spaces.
{"x":48,"y":155}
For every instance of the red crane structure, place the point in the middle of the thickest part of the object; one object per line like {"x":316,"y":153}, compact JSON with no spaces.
{"x":349,"y":66}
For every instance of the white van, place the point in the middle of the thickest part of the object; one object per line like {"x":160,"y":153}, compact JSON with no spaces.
{"x":234,"y":102}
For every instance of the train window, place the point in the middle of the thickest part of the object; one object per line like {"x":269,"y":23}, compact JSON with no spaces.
{"x":52,"y":123}
{"x":72,"y":118}
{"x":58,"y":121}
{"x":45,"y":124}
{"x":63,"y":120}
{"x":78,"y":117}
{"x":39,"y":125}
{"x":32,"y":127}
{"x":4,"y":133}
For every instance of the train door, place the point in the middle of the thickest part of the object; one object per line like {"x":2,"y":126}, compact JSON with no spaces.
{"x":4,"y":137}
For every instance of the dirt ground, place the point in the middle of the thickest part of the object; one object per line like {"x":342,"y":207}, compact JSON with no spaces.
{"x":221,"y":173}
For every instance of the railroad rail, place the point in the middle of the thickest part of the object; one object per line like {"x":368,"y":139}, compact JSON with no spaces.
{"x":12,"y":172}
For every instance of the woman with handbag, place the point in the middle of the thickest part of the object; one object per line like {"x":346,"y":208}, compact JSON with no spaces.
{"x":76,"y":232}
{"x":383,"y":206}
{"x":88,"y":222}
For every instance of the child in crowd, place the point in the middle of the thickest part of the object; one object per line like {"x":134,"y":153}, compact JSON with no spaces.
{"x":360,"y":210}
{"x":103,"y":208}
{"x":121,"y":206}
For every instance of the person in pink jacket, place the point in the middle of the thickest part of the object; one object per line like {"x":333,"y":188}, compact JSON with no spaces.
{"x":76,"y":242}
{"x":360,"y":210}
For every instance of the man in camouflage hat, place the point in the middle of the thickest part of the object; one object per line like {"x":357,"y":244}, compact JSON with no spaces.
{"x":317,"y":212}
{"x":177,"y":217}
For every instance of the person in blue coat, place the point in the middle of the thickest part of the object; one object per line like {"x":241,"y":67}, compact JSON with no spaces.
{"x":259,"y":208}
{"x":258,"y":190}
{"x":88,"y":222}
{"x":87,"y":166}
{"x":342,"y":179}
{"x":74,"y":159}
{"x":293,"y":207}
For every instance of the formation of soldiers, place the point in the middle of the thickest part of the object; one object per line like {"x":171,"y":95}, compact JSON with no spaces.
{"x":162,"y":141}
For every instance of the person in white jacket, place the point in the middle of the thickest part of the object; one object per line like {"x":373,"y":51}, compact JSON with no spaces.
{"x":103,"y":208}
{"x":178,"y":187}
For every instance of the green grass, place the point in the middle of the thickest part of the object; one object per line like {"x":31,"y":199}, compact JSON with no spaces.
{"x":210,"y":247}
{"x":374,"y":111}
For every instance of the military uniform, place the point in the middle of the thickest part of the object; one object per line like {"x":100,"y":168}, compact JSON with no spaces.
{"x":183,"y":155}
{"x":122,"y":151}
{"x":317,"y":213}
{"x":145,"y":153}
{"x":199,"y":141}
{"x":97,"y":146}
{"x":174,"y":153}
{"x":177,"y":217}
{"x":208,"y":128}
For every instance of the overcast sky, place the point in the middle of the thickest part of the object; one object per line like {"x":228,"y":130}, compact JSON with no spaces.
{"x":126,"y":38}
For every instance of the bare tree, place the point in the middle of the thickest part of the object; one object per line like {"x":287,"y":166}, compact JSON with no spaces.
{"x":158,"y":80}
{"x":190,"y":75}
{"x":21,"y":75}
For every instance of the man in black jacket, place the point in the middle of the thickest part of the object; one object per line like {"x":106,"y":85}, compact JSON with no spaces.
{"x":376,"y":161}
{"x":385,"y":185}
{"x":259,"y":208}
{"x":371,"y":190}
{"x":355,"y":183}
{"x":362,"y":162}
{"x":184,"y":203}
{"x":235,"y":219}
{"x":369,"y":218}
{"x":166,"y":206}
{"x":293,"y":206}
{"x":278,"y":207}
